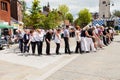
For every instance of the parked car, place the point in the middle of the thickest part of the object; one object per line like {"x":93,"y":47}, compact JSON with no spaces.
{"x":2,"y":43}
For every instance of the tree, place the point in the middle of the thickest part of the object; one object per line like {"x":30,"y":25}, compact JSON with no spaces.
{"x":64,"y":10}
{"x":69,"y":17}
{"x":84,"y":18}
{"x":116,"y":13}
{"x":52,"y":20}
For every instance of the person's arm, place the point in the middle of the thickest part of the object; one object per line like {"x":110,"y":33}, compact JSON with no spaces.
{"x":86,"y":33}
{"x":29,"y":42}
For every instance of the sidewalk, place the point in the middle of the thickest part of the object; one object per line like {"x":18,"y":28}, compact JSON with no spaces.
{"x":18,"y":67}
{"x":103,"y":65}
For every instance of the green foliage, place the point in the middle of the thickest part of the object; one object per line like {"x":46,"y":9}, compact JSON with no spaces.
{"x":84,"y":18}
{"x":64,"y":10}
{"x":52,"y":20}
{"x":116,"y":13}
{"x":77,"y":22}
{"x":35,"y":15}
{"x":36,"y":19}
{"x":69,"y":17}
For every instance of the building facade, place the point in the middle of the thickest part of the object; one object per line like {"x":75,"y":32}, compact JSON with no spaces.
{"x":16,"y":10}
{"x":104,"y":9}
{"x":5,"y":11}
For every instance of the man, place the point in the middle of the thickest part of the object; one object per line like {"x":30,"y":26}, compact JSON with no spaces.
{"x":20,"y":39}
{"x":26,"y":39}
{"x":48,"y":39}
{"x":66,"y":40}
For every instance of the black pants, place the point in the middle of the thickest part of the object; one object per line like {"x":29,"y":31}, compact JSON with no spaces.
{"x":33,"y":44}
{"x":47,"y":48}
{"x":78,"y":47}
{"x":104,"y":40}
{"x":26,"y":48}
{"x":57,"y":48}
{"x":67,"y":49}
{"x":41,"y":45}
{"x":38,"y":47}
{"x":21,"y":45}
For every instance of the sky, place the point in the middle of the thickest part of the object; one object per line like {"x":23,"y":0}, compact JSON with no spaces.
{"x":76,"y":5}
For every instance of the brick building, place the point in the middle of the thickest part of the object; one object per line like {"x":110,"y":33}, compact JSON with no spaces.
{"x":16,"y":10}
{"x":5,"y":11}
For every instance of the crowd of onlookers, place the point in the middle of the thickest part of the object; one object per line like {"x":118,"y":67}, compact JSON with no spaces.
{"x":88,"y":39}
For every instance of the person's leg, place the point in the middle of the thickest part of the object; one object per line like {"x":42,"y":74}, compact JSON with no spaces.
{"x":21,"y":45}
{"x":41,"y":45}
{"x":82,"y":44}
{"x":65,"y":40}
{"x":38,"y":47}
{"x":68,"y":48}
{"x":25,"y":46}
{"x":77,"y":47}
{"x":47,"y":48}
{"x":33,"y":47}
{"x":80,"y":47}
{"x":57,"y":48}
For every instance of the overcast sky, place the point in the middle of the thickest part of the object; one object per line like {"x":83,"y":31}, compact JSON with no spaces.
{"x":76,"y":5}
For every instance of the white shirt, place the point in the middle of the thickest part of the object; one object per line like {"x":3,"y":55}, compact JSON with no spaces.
{"x":32,"y":39}
{"x":66,"y":33}
{"x":57,"y":38}
{"x":77,"y":35}
{"x":41,"y":36}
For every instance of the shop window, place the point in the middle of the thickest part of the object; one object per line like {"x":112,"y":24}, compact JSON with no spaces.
{"x":4,"y":6}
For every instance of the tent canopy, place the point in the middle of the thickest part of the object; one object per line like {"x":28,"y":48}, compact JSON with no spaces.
{"x":2,"y":26}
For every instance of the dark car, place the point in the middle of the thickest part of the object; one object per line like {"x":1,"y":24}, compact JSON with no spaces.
{"x":2,"y":43}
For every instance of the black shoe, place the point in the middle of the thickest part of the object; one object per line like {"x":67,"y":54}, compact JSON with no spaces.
{"x":66,"y":52}
{"x":87,"y":51}
{"x":76,"y":52}
{"x":58,"y":53}
{"x":48,"y":54}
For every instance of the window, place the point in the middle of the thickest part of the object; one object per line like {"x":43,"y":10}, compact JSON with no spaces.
{"x":104,"y":2}
{"x":4,"y":6}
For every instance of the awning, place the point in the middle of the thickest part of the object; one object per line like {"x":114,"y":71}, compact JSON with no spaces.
{"x":2,"y":26}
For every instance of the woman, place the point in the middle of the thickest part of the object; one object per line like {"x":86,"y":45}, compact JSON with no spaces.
{"x":32,"y":41}
{"x":40,"y":42}
{"x":57,"y":40}
{"x":78,"y":39}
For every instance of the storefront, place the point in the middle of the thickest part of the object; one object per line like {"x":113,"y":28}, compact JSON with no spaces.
{"x":5,"y":29}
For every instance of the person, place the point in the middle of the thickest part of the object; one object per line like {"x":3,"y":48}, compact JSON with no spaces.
{"x":20,"y":39}
{"x":40,"y":41}
{"x":78,"y":40}
{"x":84,"y":47}
{"x":48,"y":38}
{"x":57,"y":40}
{"x":66,"y":40}
{"x":26,"y":39}
{"x":32,"y":41}
{"x":91,"y":39}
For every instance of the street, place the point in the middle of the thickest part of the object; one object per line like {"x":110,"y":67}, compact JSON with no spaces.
{"x":100,"y":65}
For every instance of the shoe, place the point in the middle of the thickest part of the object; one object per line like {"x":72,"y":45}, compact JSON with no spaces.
{"x":76,"y":52}
{"x":58,"y":53}
{"x":87,"y":51}
{"x":48,"y":54}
